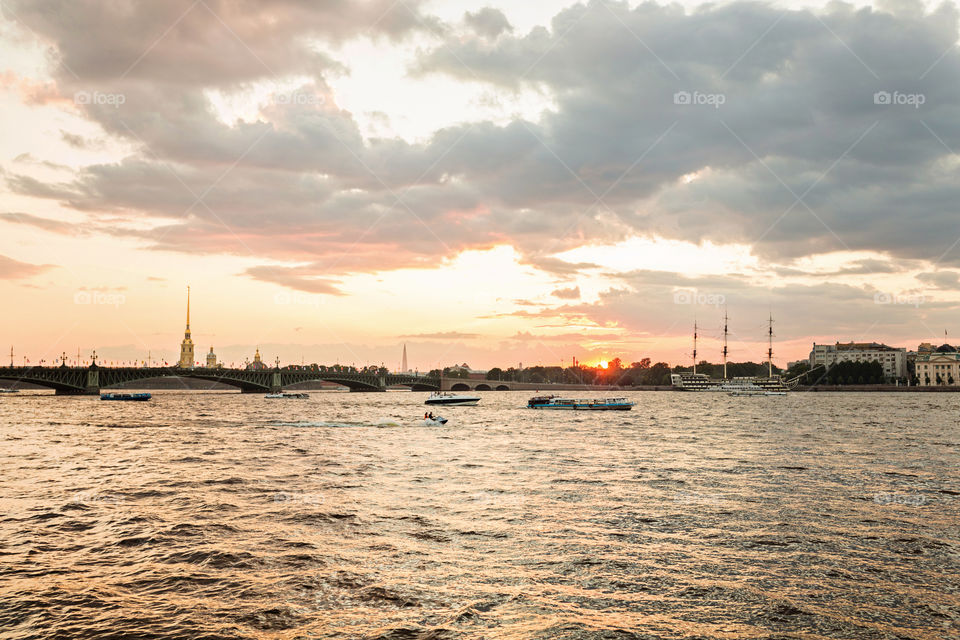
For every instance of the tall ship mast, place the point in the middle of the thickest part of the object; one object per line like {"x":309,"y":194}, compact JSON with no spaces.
{"x":770,"y":348}
{"x":725,"y":323}
{"x":739,"y":386}
{"x":694,"y":347}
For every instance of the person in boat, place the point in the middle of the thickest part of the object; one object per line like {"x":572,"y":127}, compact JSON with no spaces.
{"x":430,"y":415}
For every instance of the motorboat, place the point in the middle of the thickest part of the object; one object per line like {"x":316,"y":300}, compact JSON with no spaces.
{"x":287,"y":395}
{"x":435,"y":421}
{"x":127,"y":397}
{"x":9,"y":390}
{"x":570,"y":404}
{"x":452,"y":399}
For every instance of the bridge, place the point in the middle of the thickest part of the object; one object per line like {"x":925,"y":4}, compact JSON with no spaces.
{"x":90,"y":380}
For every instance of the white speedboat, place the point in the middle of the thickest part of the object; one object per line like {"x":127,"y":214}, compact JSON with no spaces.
{"x":452,"y":399}
{"x":435,"y":421}
{"x":287,"y":395}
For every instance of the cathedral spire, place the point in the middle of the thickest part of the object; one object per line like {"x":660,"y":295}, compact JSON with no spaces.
{"x":186,"y":347}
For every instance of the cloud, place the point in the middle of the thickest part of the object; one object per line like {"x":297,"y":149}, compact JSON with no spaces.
{"x":11,"y":269}
{"x":443,"y":335}
{"x":941,"y":279}
{"x":46,"y":224}
{"x":572,"y":293}
{"x":488,"y":22}
{"x":294,"y":278}
{"x":800,"y":158}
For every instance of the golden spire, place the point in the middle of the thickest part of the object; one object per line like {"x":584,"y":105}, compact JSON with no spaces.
{"x":186,"y":334}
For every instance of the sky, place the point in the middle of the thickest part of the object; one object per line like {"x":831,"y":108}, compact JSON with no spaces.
{"x":486,"y":182}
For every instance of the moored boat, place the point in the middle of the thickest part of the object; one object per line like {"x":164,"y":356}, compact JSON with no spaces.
{"x":128,"y":397}
{"x":452,"y":399}
{"x":588,"y":404}
{"x":287,"y":395}
{"x":9,"y":390}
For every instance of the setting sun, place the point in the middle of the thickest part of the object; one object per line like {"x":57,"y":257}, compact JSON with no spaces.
{"x":604,"y":364}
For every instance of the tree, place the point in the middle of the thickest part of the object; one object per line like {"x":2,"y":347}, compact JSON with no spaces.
{"x":495,"y":374}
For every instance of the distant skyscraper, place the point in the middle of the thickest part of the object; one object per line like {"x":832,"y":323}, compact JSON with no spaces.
{"x":186,"y":347}
{"x":403,"y":362}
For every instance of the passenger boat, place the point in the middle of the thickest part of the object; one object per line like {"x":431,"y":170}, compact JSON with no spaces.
{"x":452,"y":399}
{"x":129,"y":397}
{"x":287,"y":395}
{"x":590,"y":404}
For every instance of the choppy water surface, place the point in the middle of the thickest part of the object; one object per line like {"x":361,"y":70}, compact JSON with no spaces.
{"x":201,"y":515}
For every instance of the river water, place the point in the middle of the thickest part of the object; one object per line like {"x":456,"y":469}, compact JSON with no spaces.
{"x":220,"y":515}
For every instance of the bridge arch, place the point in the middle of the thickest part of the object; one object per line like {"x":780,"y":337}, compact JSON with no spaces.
{"x":483,"y":386}
{"x":502,"y":387}
{"x":60,"y":387}
{"x":460,"y":386}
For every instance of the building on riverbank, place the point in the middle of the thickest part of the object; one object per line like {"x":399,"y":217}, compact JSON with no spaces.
{"x":939,"y":368}
{"x":892,"y":359}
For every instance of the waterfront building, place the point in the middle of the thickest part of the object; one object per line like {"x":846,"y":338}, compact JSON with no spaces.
{"x":892,"y":359}
{"x":211,"y":359}
{"x":939,"y":368}
{"x":257,"y":364}
{"x":186,"y":347}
